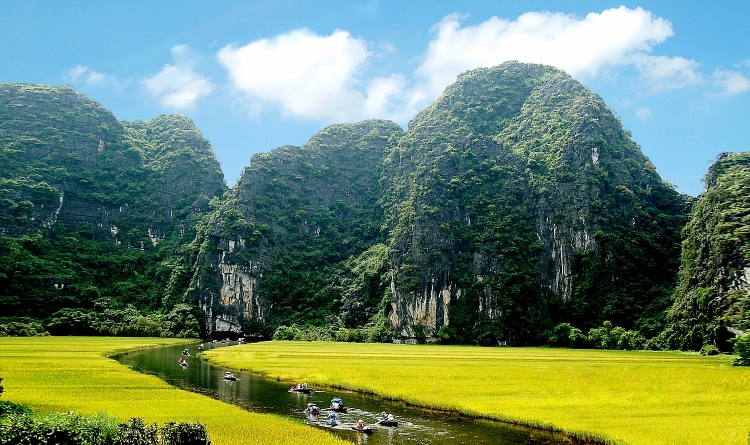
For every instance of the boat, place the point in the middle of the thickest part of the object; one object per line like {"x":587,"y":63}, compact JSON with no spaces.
{"x":332,"y":420}
{"x":186,"y":352}
{"x":367,"y":429}
{"x":337,"y":405}
{"x":313,"y":409}
{"x":387,"y":422}
{"x":301,"y":390}
{"x":298,"y":388}
{"x":182,"y":362}
{"x":229,"y":376}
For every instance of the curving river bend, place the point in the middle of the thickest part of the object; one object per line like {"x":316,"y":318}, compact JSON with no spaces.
{"x":258,"y":394}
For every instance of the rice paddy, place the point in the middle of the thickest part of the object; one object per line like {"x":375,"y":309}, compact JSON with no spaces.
{"x":631,"y":397}
{"x":73,"y":374}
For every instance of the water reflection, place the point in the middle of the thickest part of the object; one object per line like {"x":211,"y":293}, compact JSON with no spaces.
{"x":415,"y":426}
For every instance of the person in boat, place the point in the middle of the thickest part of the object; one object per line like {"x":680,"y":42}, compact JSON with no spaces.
{"x":200,"y":346}
{"x":332,"y":419}
{"x":391,"y":418}
{"x":304,"y":385}
{"x":185,"y":351}
{"x":182,"y":361}
{"x":384,"y":415}
{"x":360,"y":424}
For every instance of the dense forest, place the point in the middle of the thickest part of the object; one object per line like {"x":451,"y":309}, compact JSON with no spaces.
{"x":94,"y":213}
{"x":514,"y":210}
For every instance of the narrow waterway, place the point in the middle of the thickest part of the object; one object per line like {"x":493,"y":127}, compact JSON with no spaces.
{"x":257,"y":394}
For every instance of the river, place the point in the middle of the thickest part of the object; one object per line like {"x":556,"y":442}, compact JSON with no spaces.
{"x":258,"y":394}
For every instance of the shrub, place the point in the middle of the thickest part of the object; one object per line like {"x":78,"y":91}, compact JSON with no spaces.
{"x":69,"y":321}
{"x":285,"y":332}
{"x":136,"y":432}
{"x":13,"y":409}
{"x":707,"y":350}
{"x":742,"y":350}
{"x":560,"y":335}
{"x":20,"y":329}
{"x":615,"y":337}
{"x":184,"y":433}
{"x":578,"y":339}
{"x":100,"y":429}
{"x":631,"y":340}
{"x":58,"y":428}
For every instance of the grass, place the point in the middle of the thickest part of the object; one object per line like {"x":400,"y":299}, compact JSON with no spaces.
{"x":633,"y":397}
{"x":73,"y":374}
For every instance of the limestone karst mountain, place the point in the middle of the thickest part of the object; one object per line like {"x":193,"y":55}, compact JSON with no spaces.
{"x":514,"y":202}
{"x":712,"y":300}
{"x":93,"y":209}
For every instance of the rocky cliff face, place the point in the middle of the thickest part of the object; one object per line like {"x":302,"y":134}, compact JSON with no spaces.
{"x":271,"y":250}
{"x":72,"y":176}
{"x":520,"y":202}
{"x":712,"y":299}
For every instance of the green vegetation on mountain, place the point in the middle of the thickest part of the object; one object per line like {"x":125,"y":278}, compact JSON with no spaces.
{"x":93,"y":210}
{"x":291,"y":226}
{"x":713,"y":294}
{"x":519,"y":195}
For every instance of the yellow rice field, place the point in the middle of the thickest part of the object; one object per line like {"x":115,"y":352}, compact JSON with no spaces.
{"x":73,"y":374}
{"x":633,"y":397}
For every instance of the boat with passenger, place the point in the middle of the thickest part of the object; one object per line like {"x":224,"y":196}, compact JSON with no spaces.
{"x":386,"y":419}
{"x":337,"y":405}
{"x":332,"y":420}
{"x":362,"y":428}
{"x":312,"y":409}
{"x":300,"y":388}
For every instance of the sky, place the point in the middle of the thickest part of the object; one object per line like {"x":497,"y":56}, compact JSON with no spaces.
{"x":256,"y":75}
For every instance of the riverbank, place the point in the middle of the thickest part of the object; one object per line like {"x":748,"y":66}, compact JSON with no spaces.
{"x":633,"y":397}
{"x":74,"y":374}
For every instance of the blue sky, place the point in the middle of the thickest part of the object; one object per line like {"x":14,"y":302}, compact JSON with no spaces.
{"x":255,"y":75}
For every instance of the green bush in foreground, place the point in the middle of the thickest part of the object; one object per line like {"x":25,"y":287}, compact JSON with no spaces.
{"x":12,"y":408}
{"x":57,"y":428}
{"x":100,"y":429}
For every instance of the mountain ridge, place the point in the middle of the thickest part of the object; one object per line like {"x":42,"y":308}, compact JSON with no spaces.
{"x":514,"y":204}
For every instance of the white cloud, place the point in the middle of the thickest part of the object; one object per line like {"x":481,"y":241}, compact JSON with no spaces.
{"x":307,"y":75}
{"x":87,"y":78}
{"x":583,"y":47}
{"x":643,"y":113}
{"x":323,"y":77}
{"x":76,"y":73}
{"x":662,"y":73}
{"x":178,"y":86}
{"x":731,"y":82}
